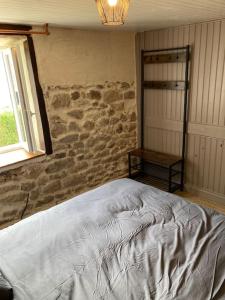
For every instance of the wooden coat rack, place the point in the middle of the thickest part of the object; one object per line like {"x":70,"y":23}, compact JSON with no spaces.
{"x":168,"y":170}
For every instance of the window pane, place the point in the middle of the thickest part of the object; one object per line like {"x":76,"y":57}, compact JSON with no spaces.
{"x":8,"y":132}
{"x":8,"y":129}
{"x":13,"y":82}
{"x":20,"y":106}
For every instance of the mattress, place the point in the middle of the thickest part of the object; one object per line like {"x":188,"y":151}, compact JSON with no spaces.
{"x":123,"y":240}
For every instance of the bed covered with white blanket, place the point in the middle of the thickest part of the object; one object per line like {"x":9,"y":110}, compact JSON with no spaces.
{"x":123,"y":240}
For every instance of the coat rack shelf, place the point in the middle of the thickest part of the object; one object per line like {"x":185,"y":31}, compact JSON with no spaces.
{"x":165,"y":85}
{"x":163,"y":170}
{"x":165,"y":58}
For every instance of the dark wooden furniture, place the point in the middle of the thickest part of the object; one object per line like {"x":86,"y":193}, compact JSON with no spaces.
{"x":155,"y":168}
{"x":164,"y":170}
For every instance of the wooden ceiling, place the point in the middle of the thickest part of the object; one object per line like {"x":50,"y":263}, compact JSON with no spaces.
{"x":143,"y":14}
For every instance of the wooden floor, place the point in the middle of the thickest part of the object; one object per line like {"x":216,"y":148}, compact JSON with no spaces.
{"x":203,"y":202}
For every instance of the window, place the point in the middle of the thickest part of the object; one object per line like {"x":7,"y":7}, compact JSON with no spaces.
{"x":21,"y":128}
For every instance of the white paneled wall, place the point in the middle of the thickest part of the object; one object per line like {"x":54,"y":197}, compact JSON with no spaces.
{"x":164,"y":109}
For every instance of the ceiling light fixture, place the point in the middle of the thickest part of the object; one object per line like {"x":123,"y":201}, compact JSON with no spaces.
{"x":113,"y":12}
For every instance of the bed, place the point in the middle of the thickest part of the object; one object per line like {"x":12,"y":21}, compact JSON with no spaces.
{"x":123,"y":240}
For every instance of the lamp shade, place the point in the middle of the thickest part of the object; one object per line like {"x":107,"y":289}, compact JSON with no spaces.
{"x":113,"y":12}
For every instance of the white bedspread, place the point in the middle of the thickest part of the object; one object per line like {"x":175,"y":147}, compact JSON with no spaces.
{"x":124,"y":240}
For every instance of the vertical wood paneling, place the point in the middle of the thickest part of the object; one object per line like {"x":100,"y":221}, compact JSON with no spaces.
{"x":175,"y":100}
{"x":165,"y":72}
{"x":180,"y":74}
{"x":195,"y":74}
{"x":207,"y":172}
{"x":169,"y":73}
{"x":205,"y":154}
{"x":201,"y":160}
{"x":213,"y":71}
{"x":212,"y":164}
{"x":190,"y":159}
{"x":161,"y":71}
{"x":163,"y":140}
{"x":221,"y":178}
{"x":219,"y":75}
{"x":208,"y":58}
{"x":196,"y":160}
{"x":222,"y":100}
{"x":219,"y":155}
{"x":201,"y":72}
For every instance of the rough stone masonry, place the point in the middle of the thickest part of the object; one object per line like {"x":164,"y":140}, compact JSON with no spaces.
{"x":92,"y":129}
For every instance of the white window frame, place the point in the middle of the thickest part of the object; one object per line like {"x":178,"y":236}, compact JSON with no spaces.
{"x":23,"y":93}
{"x":12,"y":82}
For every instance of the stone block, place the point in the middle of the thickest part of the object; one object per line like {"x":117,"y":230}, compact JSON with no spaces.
{"x":75,"y":95}
{"x":103,"y":122}
{"x":28,"y":186}
{"x":13,"y":198}
{"x":51,"y":187}
{"x":59,"y":165}
{"x":71,"y":181}
{"x":73,"y":126}
{"x":10,"y":213}
{"x":111,"y":96}
{"x":8,"y":187}
{"x":89,"y":125}
{"x":124,"y":85}
{"x":133,"y":117}
{"x":71,"y":138}
{"x":118,"y":106}
{"x":129,"y":95}
{"x":84,"y":136}
{"x":76,"y":114}
{"x":58,"y":129}
{"x":61,"y":101}
{"x":94,"y":95}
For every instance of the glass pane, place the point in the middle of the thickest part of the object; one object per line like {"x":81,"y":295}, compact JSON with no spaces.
{"x":8,"y":129}
{"x":17,"y":95}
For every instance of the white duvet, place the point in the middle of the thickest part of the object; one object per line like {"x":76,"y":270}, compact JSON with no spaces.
{"x":124,"y":240}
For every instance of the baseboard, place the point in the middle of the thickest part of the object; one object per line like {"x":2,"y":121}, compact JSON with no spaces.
{"x":215,"y":197}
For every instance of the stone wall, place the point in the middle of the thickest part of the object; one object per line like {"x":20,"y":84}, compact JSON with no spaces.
{"x":92,"y":128}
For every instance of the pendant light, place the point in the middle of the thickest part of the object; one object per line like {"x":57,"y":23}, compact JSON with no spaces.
{"x":113,"y":12}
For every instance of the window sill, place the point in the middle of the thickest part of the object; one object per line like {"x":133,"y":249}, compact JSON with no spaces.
{"x":14,"y":158}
